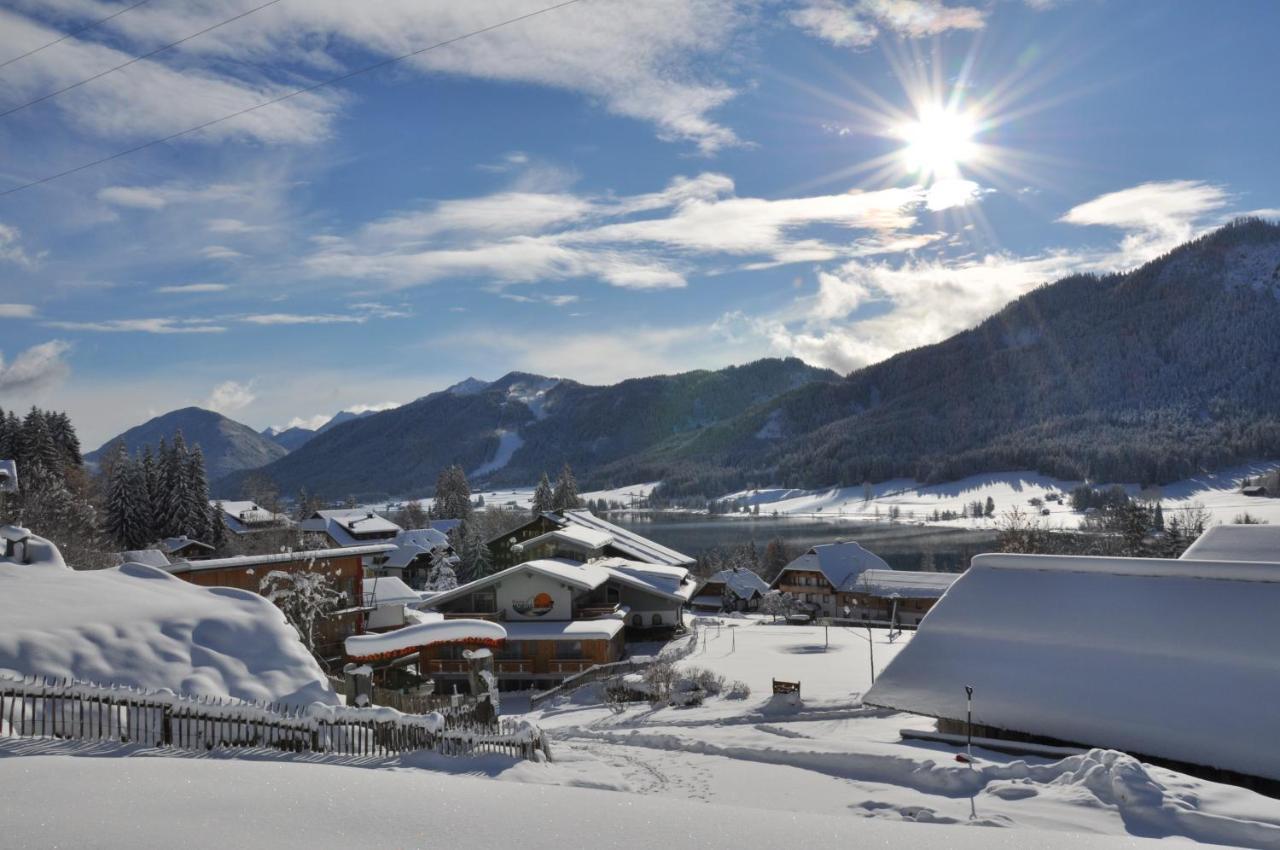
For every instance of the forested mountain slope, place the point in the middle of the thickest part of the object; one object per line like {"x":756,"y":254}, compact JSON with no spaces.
{"x":227,"y":445}
{"x":1148,"y":376}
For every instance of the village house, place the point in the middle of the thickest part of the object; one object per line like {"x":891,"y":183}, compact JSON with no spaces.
{"x":184,"y":548}
{"x":245,"y":517}
{"x":824,"y":579}
{"x":900,"y":598}
{"x":579,"y":535}
{"x":1172,"y":661}
{"x":416,"y":551}
{"x":346,"y":566}
{"x":388,"y":600}
{"x":734,"y":589}
{"x":562,"y":616}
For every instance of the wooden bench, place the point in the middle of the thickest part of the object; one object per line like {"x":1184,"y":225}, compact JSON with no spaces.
{"x":780,"y":687}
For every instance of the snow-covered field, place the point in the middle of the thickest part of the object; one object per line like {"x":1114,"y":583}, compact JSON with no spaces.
{"x":1218,"y":493}
{"x":828,"y":755}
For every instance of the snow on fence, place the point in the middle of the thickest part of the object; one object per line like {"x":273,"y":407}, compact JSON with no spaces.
{"x":454,"y":707}
{"x":673,"y":652}
{"x":62,"y":708}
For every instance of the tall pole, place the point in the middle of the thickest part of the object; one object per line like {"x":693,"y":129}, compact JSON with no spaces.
{"x":968,"y":692}
{"x":871,"y":647}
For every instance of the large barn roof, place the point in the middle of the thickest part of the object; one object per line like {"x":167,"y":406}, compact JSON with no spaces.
{"x":1237,"y":543}
{"x":906,"y":583}
{"x":633,"y":545}
{"x":1170,"y":659}
{"x":842,"y":563}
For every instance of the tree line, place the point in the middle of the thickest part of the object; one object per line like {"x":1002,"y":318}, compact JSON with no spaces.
{"x":153,"y":496}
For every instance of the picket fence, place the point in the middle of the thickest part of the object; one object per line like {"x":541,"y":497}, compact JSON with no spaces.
{"x":39,"y":707}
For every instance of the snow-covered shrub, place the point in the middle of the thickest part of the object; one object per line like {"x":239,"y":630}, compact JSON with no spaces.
{"x":738,"y":690}
{"x":711,"y":683}
{"x":659,"y":677}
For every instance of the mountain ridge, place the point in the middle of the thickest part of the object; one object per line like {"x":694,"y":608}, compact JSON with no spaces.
{"x":228,"y":446}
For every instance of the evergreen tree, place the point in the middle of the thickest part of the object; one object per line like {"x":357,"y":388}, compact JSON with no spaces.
{"x":36,"y":444}
{"x":125,"y":516}
{"x":151,"y":492}
{"x":989,"y":508}
{"x":565,"y":495}
{"x":175,"y":496}
{"x":217,"y":535}
{"x":199,"y":525}
{"x":542,"y":497}
{"x":10,"y":431}
{"x":453,"y":495}
{"x":65,"y":438}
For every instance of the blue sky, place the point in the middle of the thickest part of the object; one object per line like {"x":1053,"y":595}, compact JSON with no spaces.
{"x":606,"y":190}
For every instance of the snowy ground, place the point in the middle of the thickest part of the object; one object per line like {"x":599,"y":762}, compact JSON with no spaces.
{"x":1218,"y":493}
{"x":62,"y":795}
{"x":830,"y":756}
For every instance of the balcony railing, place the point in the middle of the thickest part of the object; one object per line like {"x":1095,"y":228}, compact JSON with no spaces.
{"x":568,"y":665}
{"x":446,"y":665}
{"x":491,"y":616}
{"x":513,"y":666}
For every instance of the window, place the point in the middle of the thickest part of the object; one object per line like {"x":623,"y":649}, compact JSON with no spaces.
{"x":657,"y":619}
{"x":484,"y":602}
{"x":637,"y":620}
{"x":569,"y":649}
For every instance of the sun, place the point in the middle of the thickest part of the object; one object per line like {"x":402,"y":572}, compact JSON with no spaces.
{"x":938,"y":142}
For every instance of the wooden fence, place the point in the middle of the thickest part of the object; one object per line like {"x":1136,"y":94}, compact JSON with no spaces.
{"x":66,"y":709}
{"x":454,"y":707}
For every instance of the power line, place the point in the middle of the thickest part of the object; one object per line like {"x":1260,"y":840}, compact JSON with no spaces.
{"x":304,"y":90}
{"x":137,"y":59}
{"x":74,"y":33}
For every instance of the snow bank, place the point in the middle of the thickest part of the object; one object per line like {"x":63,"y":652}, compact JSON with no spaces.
{"x":213,"y":803}
{"x":1168,"y":658}
{"x":139,"y":626}
{"x":423,"y":634}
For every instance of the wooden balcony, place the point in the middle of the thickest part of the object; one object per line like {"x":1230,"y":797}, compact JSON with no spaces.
{"x":567,"y":666}
{"x":513,"y":666}
{"x":491,"y":616}
{"x":438,"y":665}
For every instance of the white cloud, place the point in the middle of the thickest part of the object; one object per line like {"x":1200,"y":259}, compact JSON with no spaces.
{"x":159,"y":325}
{"x":220,"y":252}
{"x":1157,"y":216}
{"x":17,"y":311}
{"x":858,"y":23}
{"x":925,"y":300}
{"x":641,"y":241}
{"x":36,"y":368}
{"x":192,"y":288}
{"x":153,"y":98}
{"x":230,"y":396}
{"x":11,"y":249}
{"x":163,"y":195}
{"x":638,"y":60}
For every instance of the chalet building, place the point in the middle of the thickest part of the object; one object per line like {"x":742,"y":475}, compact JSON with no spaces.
{"x":389,"y":601}
{"x":579,"y":535}
{"x":561,"y":616}
{"x":244,"y":517}
{"x":736,"y":589}
{"x":1172,"y":661}
{"x":346,"y":566}
{"x":350,"y":526}
{"x":416,"y":551}
{"x":824,"y":579}
{"x":184,"y":548}
{"x":898,"y":597}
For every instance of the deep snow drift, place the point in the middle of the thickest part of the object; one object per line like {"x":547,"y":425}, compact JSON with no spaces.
{"x":139,"y":626}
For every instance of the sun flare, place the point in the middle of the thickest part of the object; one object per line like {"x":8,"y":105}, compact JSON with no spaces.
{"x":938,"y":142}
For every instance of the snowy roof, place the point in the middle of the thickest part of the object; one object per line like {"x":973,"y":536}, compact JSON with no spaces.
{"x":842,"y":563}
{"x":907,"y":583}
{"x":241,"y":517}
{"x":628,"y":542}
{"x":1237,"y":543}
{"x":1170,"y":659}
{"x":444,"y":526}
{"x":389,"y":590}
{"x":742,"y":582}
{"x":669,"y":582}
{"x":673,"y":582}
{"x":149,"y":557}
{"x":588,"y":538}
{"x":423,"y":634}
{"x":8,"y":476}
{"x":177,"y":544}
{"x":278,"y":558}
{"x":603,"y":629}
{"x":139,"y":626}
{"x":359,"y":520}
